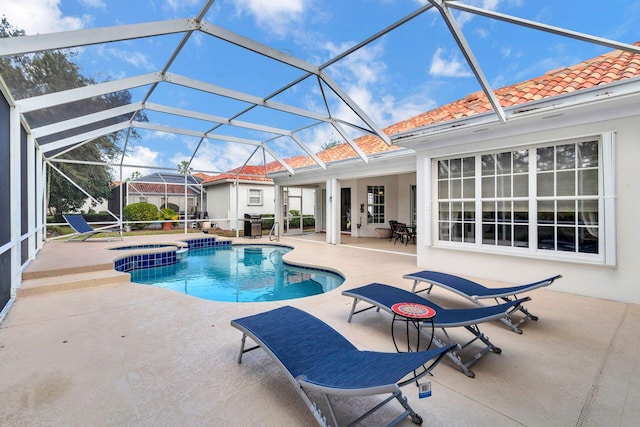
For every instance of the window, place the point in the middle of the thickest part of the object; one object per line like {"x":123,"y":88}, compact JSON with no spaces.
{"x":255,"y":197}
{"x":143,"y":199}
{"x":456,"y":200}
{"x":505,"y":198}
{"x":375,"y":204}
{"x":544,"y":199}
{"x":567,"y":197}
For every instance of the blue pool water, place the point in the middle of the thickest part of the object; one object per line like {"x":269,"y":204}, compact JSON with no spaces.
{"x":239,"y":273}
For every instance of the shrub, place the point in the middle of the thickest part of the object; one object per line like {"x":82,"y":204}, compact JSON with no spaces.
{"x":102,"y":216}
{"x":140,"y":212}
{"x":168,"y":214}
{"x":267,"y":221}
{"x":307,"y":221}
{"x":172,"y":206}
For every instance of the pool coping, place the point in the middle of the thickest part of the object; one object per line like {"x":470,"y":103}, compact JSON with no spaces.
{"x":159,"y":254}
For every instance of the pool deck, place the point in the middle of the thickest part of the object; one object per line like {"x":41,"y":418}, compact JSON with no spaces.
{"x":119,"y":354}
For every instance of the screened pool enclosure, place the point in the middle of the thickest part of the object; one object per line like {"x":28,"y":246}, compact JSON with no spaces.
{"x":187,"y":96}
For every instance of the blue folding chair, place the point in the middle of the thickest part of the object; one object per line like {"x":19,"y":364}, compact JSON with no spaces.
{"x":476,"y":292}
{"x":83,"y":230}
{"x":384,"y":297}
{"x":316,"y":358}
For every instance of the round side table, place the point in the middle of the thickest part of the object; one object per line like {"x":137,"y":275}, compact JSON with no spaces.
{"x":411,"y":313}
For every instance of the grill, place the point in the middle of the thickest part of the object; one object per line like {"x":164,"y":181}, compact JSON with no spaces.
{"x":252,"y":225}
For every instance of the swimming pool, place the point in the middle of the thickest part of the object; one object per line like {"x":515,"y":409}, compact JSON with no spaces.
{"x":239,"y":273}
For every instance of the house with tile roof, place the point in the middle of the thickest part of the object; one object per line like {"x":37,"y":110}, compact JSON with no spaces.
{"x":176,"y":191}
{"x":550,"y":188}
{"x":247,"y":190}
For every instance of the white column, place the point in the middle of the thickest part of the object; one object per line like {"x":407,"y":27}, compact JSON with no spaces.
{"x":236,"y":207}
{"x":277,"y":209}
{"x":328,"y":209}
{"x":333,"y":211}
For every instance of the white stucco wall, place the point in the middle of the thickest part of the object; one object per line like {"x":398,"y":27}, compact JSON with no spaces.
{"x":619,"y":282}
{"x":218,"y":199}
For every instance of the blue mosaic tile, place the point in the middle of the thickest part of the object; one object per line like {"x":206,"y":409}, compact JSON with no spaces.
{"x":207,"y":242}
{"x":139,"y":261}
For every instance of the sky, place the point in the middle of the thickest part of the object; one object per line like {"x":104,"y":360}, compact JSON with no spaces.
{"x":413,"y":69}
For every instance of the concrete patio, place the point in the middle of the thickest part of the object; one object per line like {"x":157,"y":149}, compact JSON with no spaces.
{"x":121,"y":354}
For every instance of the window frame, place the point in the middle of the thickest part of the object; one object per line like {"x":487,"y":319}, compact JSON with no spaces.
{"x":249,"y":196}
{"x":376,"y":211}
{"x":605,"y":199}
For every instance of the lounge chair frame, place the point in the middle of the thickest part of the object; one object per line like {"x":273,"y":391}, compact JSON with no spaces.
{"x":298,"y":342}
{"x":381,"y":296}
{"x":83,"y":230}
{"x":475,"y":292}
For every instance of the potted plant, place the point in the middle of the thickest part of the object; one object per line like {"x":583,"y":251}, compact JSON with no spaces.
{"x":167,"y":215}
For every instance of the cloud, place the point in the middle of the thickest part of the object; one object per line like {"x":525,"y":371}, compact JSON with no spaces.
{"x":279,"y":17}
{"x":448,"y":67}
{"x":464,"y":17}
{"x":137,"y":59}
{"x":95,"y":4}
{"x":482,"y":33}
{"x":217,"y":156}
{"x":137,"y":156}
{"x":415,"y":104}
{"x":42,"y":16}
{"x":177,"y":5}
{"x":364,"y":76}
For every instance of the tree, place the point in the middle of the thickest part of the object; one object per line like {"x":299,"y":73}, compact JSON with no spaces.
{"x":183,"y":167}
{"x":134,"y":175}
{"x":334,"y":142}
{"x":54,"y":71}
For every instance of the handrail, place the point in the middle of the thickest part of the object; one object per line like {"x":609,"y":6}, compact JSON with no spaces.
{"x":276,"y":234}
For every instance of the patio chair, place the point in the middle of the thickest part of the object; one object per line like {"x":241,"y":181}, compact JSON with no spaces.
{"x":83,"y":230}
{"x":404,"y":233}
{"x":385,"y":297}
{"x":392,"y":225}
{"x":476,"y":292}
{"x":319,"y":361}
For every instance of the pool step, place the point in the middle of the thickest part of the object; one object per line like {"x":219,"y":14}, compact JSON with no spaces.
{"x":67,"y":282}
{"x":56,"y":272}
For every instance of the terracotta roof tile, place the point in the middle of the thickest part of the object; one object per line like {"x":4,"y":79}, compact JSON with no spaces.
{"x":245,"y":173}
{"x":201,"y":176}
{"x":149,"y":188}
{"x":607,"y":68}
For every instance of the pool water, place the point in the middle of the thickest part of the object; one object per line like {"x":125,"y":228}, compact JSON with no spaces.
{"x":239,"y":273}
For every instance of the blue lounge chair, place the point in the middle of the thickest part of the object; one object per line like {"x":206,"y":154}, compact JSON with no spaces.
{"x":318,"y":360}
{"x":384,"y":297}
{"x":475,"y":292}
{"x":83,"y":230}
